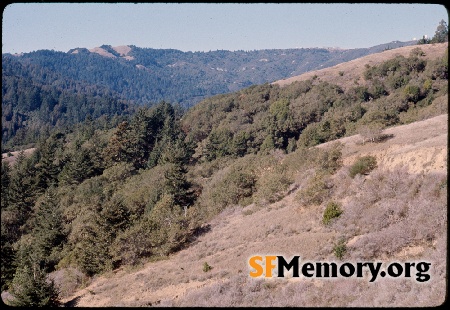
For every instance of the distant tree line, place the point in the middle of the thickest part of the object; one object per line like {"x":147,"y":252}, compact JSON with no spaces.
{"x":440,"y":35}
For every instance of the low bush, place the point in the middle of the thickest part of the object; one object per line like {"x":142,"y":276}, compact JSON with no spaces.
{"x":317,"y":189}
{"x":230,"y":186}
{"x":206,"y":267}
{"x":340,"y":249}
{"x":271,"y":186}
{"x":333,"y":210}
{"x":363,"y":165}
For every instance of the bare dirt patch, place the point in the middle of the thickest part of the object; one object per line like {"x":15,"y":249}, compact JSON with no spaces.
{"x":123,"y":50}
{"x":102,"y":52}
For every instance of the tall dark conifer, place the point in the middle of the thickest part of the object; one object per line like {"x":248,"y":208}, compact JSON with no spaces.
{"x":31,"y":289}
{"x":21,"y":192}
{"x":48,"y":232}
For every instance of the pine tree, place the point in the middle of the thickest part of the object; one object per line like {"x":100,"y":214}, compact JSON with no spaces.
{"x":177,"y":185}
{"x":47,"y":170}
{"x":441,"y":34}
{"x":116,"y":215}
{"x":6,"y":179}
{"x":177,"y":154}
{"x":91,"y":238}
{"x":48,"y":231}
{"x":78,"y":168}
{"x":7,"y":261}
{"x":118,"y":146}
{"x":141,"y":139}
{"x":9,"y":231}
{"x":170,"y":143}
{"x":31,"y":289}
{"x":21,"y":192}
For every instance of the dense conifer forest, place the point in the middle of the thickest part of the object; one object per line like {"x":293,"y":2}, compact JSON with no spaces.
{"x":46,"y":89}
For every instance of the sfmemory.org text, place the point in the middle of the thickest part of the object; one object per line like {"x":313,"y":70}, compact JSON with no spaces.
{"x":264,"y":265}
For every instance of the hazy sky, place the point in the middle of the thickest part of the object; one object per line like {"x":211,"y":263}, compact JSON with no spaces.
{"x":203,"y":27}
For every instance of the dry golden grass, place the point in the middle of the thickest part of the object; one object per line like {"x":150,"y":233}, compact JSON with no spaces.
{"x":102,"y":52}
{"x":352,"y":71}
{"x":11,"y":159}
{"x":123,"y":50}
{"x":288,"y":228}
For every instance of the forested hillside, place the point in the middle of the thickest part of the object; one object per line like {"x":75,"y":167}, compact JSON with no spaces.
{"x":93,"y":199}
{"x":47,"y":90}
{"x":309,"y":112}
{"x":37,"y":101}
{"x":145,"y":74}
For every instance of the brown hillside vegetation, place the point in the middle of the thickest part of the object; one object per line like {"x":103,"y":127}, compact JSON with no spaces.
{"x":395,"y":213}
{"x":11,"y":158}
{"x":351,"y":73}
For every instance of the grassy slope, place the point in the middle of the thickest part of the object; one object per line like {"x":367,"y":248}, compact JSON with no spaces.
{"x":286,"y":227}
{"x":353,"y":70}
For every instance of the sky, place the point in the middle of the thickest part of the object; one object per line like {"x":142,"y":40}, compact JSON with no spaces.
{"x":206,"y":27}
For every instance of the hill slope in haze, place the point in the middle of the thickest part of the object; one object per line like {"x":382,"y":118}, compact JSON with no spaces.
{"x":151,"y":75}
{"x":54,"y":90}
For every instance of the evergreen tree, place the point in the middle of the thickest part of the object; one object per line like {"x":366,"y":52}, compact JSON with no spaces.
{"x":9,"y":230}
{"x":48,"y":231}
{"x":177,"y":154}
{"x":219,"y":143}
{"x":177,"y":185}
{"x":78,"y":168}
{"x":91,"y":238}
{"x":47,"y":170}
{"x":170,"y":145}
{"x":21,"y":193}
{"x":6,"y":179}
{"x":240,"y":143}
{"x":141,"y":139}
{"x":87,"y":130}
{"x":441,"y":34}
{"x":31,"y":289}
{"x":116,"y":215}
{"x":118,"y":146}
{"x":95,"y":146}
{"x":7,"y":260}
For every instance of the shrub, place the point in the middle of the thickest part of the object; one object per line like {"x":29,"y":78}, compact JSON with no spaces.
{"x":330,"y":160}
{"x":363,"y":165}
{"x":206,"y":267}
{"x":316,"y":190}
{"x":340,"y":249}
{"x":232,"y":185}
{"x":119,"y":172}
{"x":271,"y":186}
{"x":371,"y":132}
{"x":333,"y":210}
{"x":411,"y":93}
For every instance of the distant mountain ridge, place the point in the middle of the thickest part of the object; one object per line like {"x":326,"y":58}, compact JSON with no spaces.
{"x":145,"y":75}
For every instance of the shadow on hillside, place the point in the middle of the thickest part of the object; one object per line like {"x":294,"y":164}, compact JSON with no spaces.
{"x":199,"y":231}
{"x":379,"y":139}
{"x":72,"y":302}
{"x":384,"y":138}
